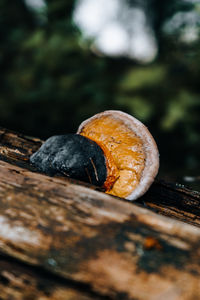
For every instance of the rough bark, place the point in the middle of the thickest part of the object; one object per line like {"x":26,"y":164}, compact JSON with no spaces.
{"x":118,"y":249}
{"x":61,"y":238}
{"x":18,"y":281}
{"x":175,"y":201}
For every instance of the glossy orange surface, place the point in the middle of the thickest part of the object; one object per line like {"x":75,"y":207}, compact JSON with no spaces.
{"x":123,"y":150}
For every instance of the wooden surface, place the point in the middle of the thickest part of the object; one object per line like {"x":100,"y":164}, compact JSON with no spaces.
{"x":172,"y":200}
{"x":18,"y":281}
{"x":89,"y":244}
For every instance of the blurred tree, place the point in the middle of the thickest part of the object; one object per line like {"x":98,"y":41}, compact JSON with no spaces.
{"x":158,"y":13}
{"x":165,"y":94}
{"x":51,"y":81}
{"x":59,"y":11}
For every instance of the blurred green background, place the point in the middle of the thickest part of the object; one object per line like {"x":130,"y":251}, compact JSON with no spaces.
{"x":53,"y":75}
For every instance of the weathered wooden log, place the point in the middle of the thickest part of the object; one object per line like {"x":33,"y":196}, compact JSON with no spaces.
{"x":175,"y":201}
{"x":167,"y":199}
{"x":118,"y":249}
{"x":18,"y":281}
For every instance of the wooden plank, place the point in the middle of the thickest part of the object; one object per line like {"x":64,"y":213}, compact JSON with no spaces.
{"x":117,"y":248}
{"x":166,"y":199}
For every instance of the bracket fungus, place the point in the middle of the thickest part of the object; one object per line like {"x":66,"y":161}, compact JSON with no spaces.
{"x":111,"y":149}
{"x":72,"y":155}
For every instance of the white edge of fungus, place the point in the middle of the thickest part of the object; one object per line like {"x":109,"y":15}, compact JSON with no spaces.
{"x":151,"y":151}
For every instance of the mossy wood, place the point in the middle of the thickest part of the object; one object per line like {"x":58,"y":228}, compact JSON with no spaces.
{"x":67,"y":240}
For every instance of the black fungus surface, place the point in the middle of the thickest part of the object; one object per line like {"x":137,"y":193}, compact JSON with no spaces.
{"x":74,"y":156}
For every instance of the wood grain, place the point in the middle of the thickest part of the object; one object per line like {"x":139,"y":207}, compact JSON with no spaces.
{"x":119,"y":249}
{"x":174,"y":201}
{"x":18,"y":281}
{"x":164,"y":198}
{"x":77,"y":242}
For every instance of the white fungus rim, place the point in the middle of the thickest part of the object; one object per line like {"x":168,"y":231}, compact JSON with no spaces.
{"x":151,"y":165}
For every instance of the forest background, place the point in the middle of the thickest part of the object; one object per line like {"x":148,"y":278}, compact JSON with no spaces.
{"x":55,"y":72}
